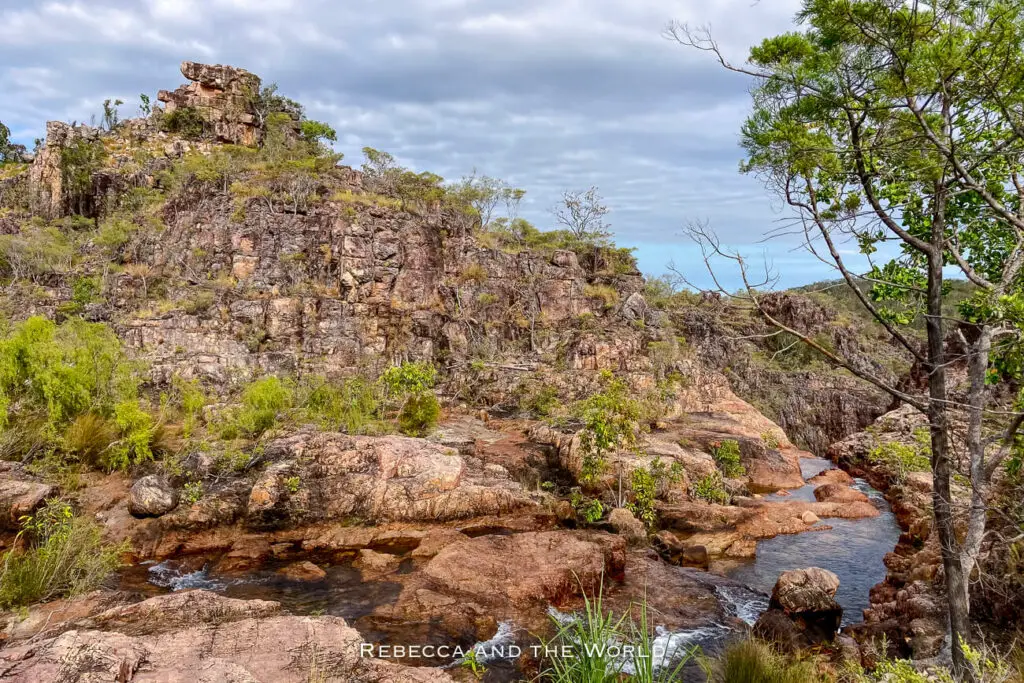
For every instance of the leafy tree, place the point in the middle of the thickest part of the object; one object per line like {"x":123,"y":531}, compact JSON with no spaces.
{"x":901,"y":123}
{"x":612,"y":420}
{"x":583,"y":212}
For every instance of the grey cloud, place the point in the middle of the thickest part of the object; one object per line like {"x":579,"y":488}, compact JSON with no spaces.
{"x":549,"y":94}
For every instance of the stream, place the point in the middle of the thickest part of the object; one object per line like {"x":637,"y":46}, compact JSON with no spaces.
{"x":853,"y":549}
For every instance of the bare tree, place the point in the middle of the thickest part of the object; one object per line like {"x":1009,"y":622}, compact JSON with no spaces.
{"x":583,"y":212}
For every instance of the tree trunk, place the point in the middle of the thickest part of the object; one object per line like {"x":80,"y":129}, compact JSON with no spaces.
{"x":979,"y":350}
{"x":956,"y":587}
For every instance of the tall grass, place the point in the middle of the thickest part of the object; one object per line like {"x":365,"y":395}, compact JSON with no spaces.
{"x":65,"y":556}
{"x":755,"y":661}
{"x":595,"y":646}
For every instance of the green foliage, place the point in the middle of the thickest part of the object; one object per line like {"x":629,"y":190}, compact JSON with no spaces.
{"x":727,"y":456}
{"x":608,"y":295}
{"x":137,"y":430}
{"x":64,"y":370}
{"x":114,"y":233}
{"x":900,"y":459}
{"x":65,"y":557}
{"x":711,"y":489}
{"x":111,"y":117}
{"x":189,"y":397}
{"x":540,"y":399}
{"x":293,"y":484}
{"x":645,"y":484}
{"x":769,"y":440}
{"x":411,"y":377}
{"x":611,"y":421}
{"x":351,"y":405}
{"x":88,"y":438}
{"x":192,"y":492}
{"x":755,"y":661}
{"x":187,"y":122}
{"x":419,"y":414}
{"x":79,"y":161}
{"x":264,"y":401}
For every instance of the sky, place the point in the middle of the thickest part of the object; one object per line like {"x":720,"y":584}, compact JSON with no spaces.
{"x":547,"y":94}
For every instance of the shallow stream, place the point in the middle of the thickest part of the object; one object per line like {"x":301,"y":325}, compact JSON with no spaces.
{"x":853,"y":549}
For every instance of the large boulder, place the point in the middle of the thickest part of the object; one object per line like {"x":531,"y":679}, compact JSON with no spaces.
{"x":330,"y":476}
{"x":626,"y":524}
{"x":838,"y":493}
{"x":152,"y":496}
{"x":528,"y":568}
{"x":806,"y":598}
{"x":806,"y":590}
{"x":20,"y":495}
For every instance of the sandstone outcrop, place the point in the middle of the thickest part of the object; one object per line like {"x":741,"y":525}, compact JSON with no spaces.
{"x":20,"y":494}
{"x":216,"y":639}
{"x":223,"y":96}
{"x":803,"y":609}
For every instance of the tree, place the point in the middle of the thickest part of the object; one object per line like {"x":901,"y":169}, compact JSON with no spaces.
{"x":895,"y":122}
{"x":9,"y":151}
{"x":582,"y":213}
{"x":265,"y":101}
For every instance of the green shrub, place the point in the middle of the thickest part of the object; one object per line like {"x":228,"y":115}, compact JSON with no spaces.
{"x":187,"y":122}
{"x":645,"y":482}
{"x":727,"y":456}
{"x":350,"y":405}
{"x":411,"y":377}
{"x":608,"y":295}
{"x":137,"y":432}
{"x":192,"y":492}
{"x":900,"y":459}
{"x":35,"y":253}
{"x":419,"y":414}
{"x":65,"y":557}
{"x":611,"y":420}
{"x":189,"y":397}
{"x":263,"y":403}
{"x":583,"y":641}
{"x":710,"y":489}
{"x":769,"y":440}
{"x":64,"y":370}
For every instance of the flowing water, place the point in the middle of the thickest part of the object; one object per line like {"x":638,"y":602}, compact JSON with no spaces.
{"x":853,"y":549}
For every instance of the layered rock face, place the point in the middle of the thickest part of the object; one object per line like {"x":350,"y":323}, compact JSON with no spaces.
{"x":223,"y":96}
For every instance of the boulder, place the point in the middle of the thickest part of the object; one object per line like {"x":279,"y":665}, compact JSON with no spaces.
{"x":809,"y":518}
{"x":303,"y":571}
{"x":152,"y":496}
{"x":372,"y":562}
{"x":20,"y":496}
{"x":625,"y":524}
{"x":838,"y":493}
{"x":528,"y":568}
{"x":806,"y":590}
{"x":807,"y":597}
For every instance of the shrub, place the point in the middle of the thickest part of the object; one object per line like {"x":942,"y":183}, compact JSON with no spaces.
{"x":583,"y":641}
{"x":900,"y":459}
{"x":611,"y":420}
{"x":188,"y":395}
{"x":645,"y":484}
{"x":727,"y":456}
{"x":419,"y":414}
{"x":411,"y":377}
{"x":350,"y":405}
{"x":192,"y":492}
{"x":199,"y":301}
{"x":37,"y":252}
{"x":187,"y":122}
{"x":64,"y":370}
{"x":137,"y":431}
{"x":710,"y":489}
{"x":65,"y":557}
{"x":263,"y":402}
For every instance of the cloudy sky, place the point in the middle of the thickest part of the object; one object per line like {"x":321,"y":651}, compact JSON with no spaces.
{"x":547,"y":94}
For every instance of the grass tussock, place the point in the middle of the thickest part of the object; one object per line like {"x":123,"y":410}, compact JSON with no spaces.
{"x":64,"y":556}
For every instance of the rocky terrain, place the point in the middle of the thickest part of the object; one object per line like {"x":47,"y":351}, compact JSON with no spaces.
{"x":222,"y":244}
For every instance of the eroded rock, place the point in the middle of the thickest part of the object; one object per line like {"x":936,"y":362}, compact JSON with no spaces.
{"x":152,"y":496}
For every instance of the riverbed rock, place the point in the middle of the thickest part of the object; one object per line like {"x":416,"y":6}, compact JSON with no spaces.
{"x":226,"y":640}
{"x":806,"y":590}
{"x":831,"y":476}
{"x":373,"y":562}
{"x":152,"y":496}
{"x":528,"y":567}
{"x":838,"y":493}
{"x":325,"y":476}
{"x":303,"y":571}
{"x":20,"y":495}
{"x":625,"y":524}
